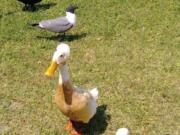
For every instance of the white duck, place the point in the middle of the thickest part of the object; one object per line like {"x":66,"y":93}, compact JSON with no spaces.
{"x":77,"y":104}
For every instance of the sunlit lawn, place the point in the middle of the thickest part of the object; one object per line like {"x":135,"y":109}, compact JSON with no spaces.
{"x":129,"y":49}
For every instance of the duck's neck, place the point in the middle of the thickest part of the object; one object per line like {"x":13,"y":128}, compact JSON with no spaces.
{"x":63,"y":74}
{"x":65,"y":88}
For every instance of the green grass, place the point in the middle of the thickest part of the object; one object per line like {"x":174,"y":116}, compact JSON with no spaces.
{"x":129,"y":49}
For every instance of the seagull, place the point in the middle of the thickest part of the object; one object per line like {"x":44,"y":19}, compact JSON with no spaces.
{"x":29,"y":3}
{"x":60,"y":24}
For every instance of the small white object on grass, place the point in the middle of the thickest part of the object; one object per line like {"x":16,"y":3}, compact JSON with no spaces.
{"x":122,"y":131}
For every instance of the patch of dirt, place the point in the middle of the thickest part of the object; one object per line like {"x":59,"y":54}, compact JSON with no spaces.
{"x":90,"y":56}
{"x":16,"y":106}
{"x":4,"y":128}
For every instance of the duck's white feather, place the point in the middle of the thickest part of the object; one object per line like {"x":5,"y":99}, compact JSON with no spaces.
{"x":94,"y":92}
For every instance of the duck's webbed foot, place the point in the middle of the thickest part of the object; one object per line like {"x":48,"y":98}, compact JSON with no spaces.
{"x":74,"y":132}
{"x":75,"y":128}
{"x":69,"y":126}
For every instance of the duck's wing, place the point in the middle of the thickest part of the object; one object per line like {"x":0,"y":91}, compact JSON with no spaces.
{"x":78,"y":89}
{"x":93,"y":92}
{"x":60,"y":24}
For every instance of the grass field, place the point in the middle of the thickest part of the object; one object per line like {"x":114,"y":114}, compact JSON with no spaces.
{"x":129,"y":49}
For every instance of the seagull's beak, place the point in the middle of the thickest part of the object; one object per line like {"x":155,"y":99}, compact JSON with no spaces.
{"x":51,"y":69}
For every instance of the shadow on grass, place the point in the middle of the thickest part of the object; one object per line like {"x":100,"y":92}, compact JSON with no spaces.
{"x":38,"y":7}
{"x":65,"y":38}
{"x":98,"y":123}
{"x":45,"y":6}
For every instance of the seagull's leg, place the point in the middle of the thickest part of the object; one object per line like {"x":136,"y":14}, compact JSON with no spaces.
{"x":64,"y":34}
{"x":62,"y":37}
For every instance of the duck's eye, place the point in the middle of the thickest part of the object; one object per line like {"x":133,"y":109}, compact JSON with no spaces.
{"x":61,"y":55}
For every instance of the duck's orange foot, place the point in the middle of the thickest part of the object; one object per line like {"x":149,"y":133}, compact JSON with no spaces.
{"x":69,"y":126}
{"x":74,"y":128}
{"x":74,"y":132}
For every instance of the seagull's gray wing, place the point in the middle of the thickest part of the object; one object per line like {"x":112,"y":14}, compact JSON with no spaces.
{"x":60,"y":24}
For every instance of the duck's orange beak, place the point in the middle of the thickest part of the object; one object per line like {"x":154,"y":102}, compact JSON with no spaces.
{"x":51,"y":69}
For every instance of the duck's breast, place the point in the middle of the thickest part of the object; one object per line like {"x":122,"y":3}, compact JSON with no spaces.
{"x":83,"y":107}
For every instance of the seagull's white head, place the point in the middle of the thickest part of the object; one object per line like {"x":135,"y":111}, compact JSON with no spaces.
{"x":60,"y":57}
{"x":70,"y":15}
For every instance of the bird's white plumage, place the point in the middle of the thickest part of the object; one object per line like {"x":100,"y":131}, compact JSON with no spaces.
{"x":94,"y":92}
{"x":122,"y":131}
{"x":71,"y":17}
{"x":63,"y":74}
{"x":61,"y":49}
{"x":89,"y":97}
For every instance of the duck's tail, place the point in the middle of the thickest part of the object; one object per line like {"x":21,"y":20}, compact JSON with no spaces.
{"x":94,"y":92}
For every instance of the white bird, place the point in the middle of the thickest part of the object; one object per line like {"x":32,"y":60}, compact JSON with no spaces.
{"x":60,"y":24}
{"x":76,"y":103}
{"x":122,"y":131}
